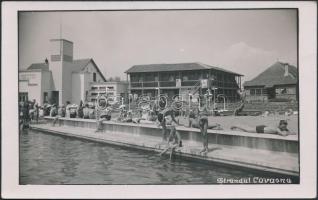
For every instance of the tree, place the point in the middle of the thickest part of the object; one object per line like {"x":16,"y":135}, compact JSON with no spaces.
{"x":116,"y":78}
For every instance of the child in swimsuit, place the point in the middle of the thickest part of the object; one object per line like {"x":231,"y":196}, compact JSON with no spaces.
{"x":174,"y":141}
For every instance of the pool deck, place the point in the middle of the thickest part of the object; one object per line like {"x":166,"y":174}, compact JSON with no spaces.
{"x":283,"y":163}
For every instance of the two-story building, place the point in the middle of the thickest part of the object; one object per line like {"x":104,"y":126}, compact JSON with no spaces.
{"x":182,"y":79}
{"x":276,"y":83}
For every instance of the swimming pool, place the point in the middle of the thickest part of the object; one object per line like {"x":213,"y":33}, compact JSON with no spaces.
{"x":49,"y":159}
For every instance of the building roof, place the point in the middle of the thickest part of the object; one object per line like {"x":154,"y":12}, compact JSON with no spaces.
{"x":274,"y":75}
{"x":80,"y":64}
{"x":76,"y":65}
{"x":36,"y":66}
{"x":174,"y":67}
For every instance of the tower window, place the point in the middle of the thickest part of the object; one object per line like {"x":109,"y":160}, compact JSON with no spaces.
{"x":94,"y":77}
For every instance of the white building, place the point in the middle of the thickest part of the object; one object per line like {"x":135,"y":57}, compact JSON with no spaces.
{"x":61,"y":79}
{"x":115,"y":89}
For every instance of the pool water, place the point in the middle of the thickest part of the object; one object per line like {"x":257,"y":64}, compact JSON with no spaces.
{"x":50,"y":159}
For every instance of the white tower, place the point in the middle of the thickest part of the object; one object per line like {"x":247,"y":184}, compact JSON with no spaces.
{"x":61,"y":56}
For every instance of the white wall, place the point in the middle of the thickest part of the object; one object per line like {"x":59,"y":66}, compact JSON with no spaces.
{"x":87,"y":79}
{"x":47,"y":84}
{"x":30,"y":82}
{"x":76,"y":88}
{"x":91,"y":69}
{"x":23,"y":86}
{"x":67,"y":83}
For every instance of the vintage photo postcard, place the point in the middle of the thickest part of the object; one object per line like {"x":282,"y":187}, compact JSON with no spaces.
{"x":159,"y":100}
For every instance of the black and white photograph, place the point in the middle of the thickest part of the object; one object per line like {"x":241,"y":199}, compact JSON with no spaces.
{"x":137,"y":96}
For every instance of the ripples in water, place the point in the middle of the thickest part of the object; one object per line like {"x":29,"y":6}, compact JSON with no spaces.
{"x":50,"y":159}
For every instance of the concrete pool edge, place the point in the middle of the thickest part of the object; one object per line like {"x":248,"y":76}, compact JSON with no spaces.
{"x":185,"y":155}
{"x":268,"y":142}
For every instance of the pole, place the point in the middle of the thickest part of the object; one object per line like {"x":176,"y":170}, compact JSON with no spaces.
{"x":214,"y":99}
{"x":128,"y":101}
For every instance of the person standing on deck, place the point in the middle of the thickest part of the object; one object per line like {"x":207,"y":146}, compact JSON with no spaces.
{"x":25,"y":111}
{"x":203,"y":125}
{"x":86,"y":111}
{"x":194,"y":122}
{"x":61,"y":112}
{"x":80,"y":110}
{"x":53,"y":111}
{"x":37,"y":110}
{"x":68,"y":104}
{"x":103,"y":113}
{"x":167,"y":117}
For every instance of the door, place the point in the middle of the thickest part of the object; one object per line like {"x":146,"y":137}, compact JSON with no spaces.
{"x":54,"y":97}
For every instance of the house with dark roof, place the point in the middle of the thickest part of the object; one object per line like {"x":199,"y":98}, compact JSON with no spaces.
{"x":183,"y":79}
{"x":276,"y":83}
{"x":61,"y":79}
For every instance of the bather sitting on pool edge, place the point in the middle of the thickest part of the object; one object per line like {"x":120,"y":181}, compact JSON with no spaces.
{"x":280,"y":130}
{"x":174,"y":141}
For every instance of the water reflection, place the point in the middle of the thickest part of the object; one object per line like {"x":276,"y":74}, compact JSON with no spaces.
{"x":49,"y":159}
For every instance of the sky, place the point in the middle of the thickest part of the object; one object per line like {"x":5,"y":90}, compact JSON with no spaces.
{"x":243,"y":41}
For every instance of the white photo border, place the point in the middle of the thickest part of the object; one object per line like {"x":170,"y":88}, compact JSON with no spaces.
{"x":307,"y":109}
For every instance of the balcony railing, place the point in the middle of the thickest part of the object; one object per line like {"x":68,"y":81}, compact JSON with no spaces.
{"x":167,"y":84}
{"x":150,"y":84}
{"x":136,"y":84}
{"x":190,"y":83}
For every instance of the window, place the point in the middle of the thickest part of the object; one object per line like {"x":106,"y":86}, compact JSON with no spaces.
{"x":110,"y":87}
{"x":94,"y":77}
{"x":264,"y":91}
{"x":23,"y":96}
{"x":45,"y":97}
{"x":258,"y":92}
{"x":252,"y":91}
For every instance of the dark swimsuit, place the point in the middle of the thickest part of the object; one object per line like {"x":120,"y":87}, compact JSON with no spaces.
{"x":260,"y":129}
{"x":107,"y":117}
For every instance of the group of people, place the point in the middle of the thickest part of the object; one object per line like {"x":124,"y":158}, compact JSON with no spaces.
{"x":29,"y":111}
{"x":84,"y":111}
{"x":198,"y":118}
{"x":166,"y":118}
